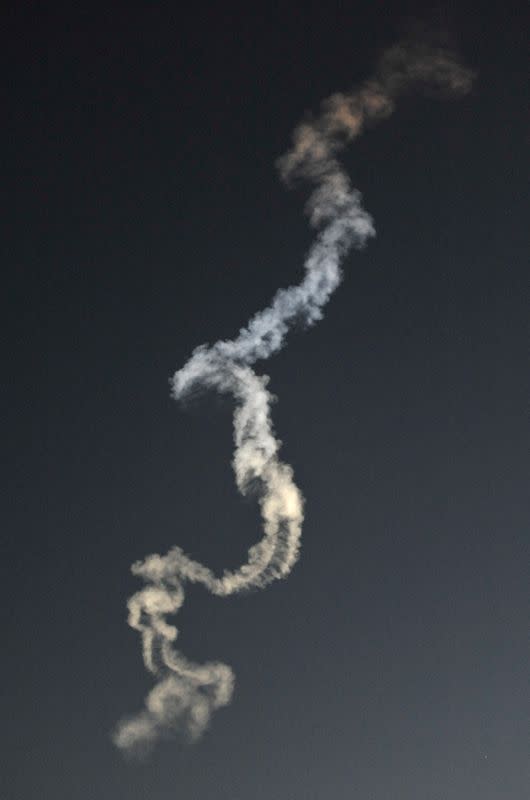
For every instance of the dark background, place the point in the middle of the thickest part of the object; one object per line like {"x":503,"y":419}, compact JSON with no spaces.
{"x":144,"y":216}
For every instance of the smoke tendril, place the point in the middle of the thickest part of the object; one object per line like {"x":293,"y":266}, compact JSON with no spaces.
{"x":185,"y":694}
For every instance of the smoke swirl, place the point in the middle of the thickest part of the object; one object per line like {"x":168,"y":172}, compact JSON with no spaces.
{"x":186,"y":694}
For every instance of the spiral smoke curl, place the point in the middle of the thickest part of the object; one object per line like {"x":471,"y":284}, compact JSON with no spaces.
{"x":186,"y":694}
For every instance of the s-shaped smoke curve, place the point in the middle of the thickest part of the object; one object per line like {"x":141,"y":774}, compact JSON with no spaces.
{"x":186,"y":694}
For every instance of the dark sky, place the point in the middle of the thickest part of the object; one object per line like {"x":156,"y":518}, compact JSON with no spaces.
{"x":145,"y":216}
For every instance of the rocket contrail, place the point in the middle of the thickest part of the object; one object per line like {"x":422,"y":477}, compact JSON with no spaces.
{"x":186,"y":694}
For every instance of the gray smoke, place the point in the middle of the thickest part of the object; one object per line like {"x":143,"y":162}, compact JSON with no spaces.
{"x":186,"y":694}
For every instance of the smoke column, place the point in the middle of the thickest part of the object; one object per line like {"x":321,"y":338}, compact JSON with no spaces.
{"x":186,"y":694}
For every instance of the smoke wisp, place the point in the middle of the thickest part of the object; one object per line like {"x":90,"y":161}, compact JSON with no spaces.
{"x":185,"y":694}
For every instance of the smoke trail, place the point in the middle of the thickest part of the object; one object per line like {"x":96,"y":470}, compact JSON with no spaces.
{"x":186,"y":694}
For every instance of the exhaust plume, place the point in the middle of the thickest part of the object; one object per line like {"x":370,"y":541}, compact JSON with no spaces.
{"x":186,"y":694}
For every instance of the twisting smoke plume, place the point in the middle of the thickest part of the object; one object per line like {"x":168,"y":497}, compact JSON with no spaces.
{"x":185,"y":693}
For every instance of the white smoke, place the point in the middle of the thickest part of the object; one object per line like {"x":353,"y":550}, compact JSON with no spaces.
{"x":186,"y":694}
